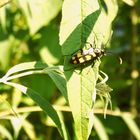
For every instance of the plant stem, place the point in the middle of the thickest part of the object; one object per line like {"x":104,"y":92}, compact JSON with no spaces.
{"x":134,"y":44}
{"x":6,"y":114}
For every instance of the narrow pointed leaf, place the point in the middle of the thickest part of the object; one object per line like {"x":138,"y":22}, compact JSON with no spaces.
{"x":5,"y":133}
{"x":100,"y":129}
{"x":25,"y":66}
{"x":44,"y":104}
{"x":128,"y":119}
{"x":57,"y":75}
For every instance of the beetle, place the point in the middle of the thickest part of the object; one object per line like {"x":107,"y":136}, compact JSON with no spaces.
{"x":87,"y":55}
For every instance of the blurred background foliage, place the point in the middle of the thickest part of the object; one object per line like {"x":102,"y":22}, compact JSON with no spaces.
{"x":29,"y":31}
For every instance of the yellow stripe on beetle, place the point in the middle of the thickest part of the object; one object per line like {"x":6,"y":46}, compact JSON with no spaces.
{"x":79,"y":54}
{"x":81,"y":60}
{"x":83,"y":56}
{"x":88,"y":57}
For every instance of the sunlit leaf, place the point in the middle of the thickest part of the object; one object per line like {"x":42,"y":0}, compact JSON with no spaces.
{"x":104,"y":22}
{"x":129,"y":2}
{"x":75,"y":29}
{"x":100,"y":129}
{"x":17,"y":124}
{"x":50,"y":50}
{"x":39,"y":13}
{"x":5,"y":52}
{"x":25,"y":66}
{"x":16,"y":97}
{"x":4,"y":2}
{"x":3,"y":19}
{"x":29,"y":129}
{"x":5,"y":133}
{"x":128,"y":119}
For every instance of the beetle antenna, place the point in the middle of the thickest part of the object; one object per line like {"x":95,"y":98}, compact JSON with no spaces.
{"x":118,"y":57}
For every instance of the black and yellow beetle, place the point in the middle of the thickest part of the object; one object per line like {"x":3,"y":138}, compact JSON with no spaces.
{"x":87,"y":55}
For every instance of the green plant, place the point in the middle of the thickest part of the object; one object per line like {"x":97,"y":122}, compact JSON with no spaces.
{"x":31,"y":33}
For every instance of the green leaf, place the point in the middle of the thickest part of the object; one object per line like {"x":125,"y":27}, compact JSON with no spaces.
{"x":39,"y":13}
{"x":4,"y":2}
{"x":5,"y":133}
{"x":49,"y":50}
{"x":29,"y":128}
{"x":104,"y":22}
{"x":100,"y":129}
{"x":24,"y":67}
{"x":80,"y":92}
{"x":129,"y":2}
{"x":75,"y":29}
{"x":28,"y":68}
{"x":5,"y":51}
{"x":58,"y":77}
{"x":128,"y":119}
{"x":3,"y":18}
{"x":76,"y":26}
{"x":41,"y":83}
{"x":45,"y":105}
{"x":88,"y":21}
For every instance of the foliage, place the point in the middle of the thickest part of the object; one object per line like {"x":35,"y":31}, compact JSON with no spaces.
{"x":35,"y":38}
